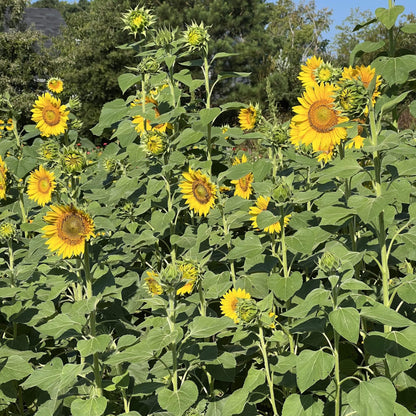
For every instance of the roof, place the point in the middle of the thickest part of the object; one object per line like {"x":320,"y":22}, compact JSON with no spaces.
{"x":46,"y":20}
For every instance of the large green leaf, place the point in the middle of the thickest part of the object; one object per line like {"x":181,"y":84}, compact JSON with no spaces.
{"x":388,"y":16}
{"x":395,"y":70}
{"x":94,"y":406}
{"x":312,"y":366}
{"x":249,"y":247}
{"x":407,"y":289}
{"x":206,"y":326}
{"x":305,"y":405}
{"x":285,"y":287}
{"x":385,"y":315}
{"x":365,"y":47}
{"x":346,"y":321}
{"x":96,"y":344}
{"x":373,"y":398}
{"x":368,"y":208}
{"x":14,"y":368}
{"x":181,"y":400}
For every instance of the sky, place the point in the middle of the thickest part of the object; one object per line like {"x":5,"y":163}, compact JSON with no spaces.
{"x":342,"y":9}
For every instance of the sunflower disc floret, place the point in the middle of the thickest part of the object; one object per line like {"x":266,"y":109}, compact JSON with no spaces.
{"x":68,"y":229}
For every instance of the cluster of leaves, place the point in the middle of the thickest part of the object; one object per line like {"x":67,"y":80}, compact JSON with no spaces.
{"x":335,"y":290}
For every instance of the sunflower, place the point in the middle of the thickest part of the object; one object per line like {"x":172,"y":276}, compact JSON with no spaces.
{"x":139,"y":120}
{"x":189,"y":275}
{"x":316,"y":119}
{"x":67,"y":230}
{"x":153,"y":144}
{"x":229,"y":303}
{"x":55,"y":85}
{"x":10,"y":124}
{"x":248,"y":117}
{"x":1,"y":125}
{"x":261,"y":205}
{"x":307,"y":73}
{"x":366,"y":75}
{"x":152,"y":284}
{"x":3,"y":179}
{"x":198,"y":191}
{"x":50,"y":115}
{"x":41,"y":184}
{"x":243,"y":186}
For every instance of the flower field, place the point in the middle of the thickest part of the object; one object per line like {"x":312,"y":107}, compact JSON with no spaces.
{"x":188,"y":267}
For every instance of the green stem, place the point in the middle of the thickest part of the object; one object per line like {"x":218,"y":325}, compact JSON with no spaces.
{"x":205,"y":70}
{"x":202,"y":303}
{"x":283,"y":248}
{"x":226,"y":232}
{"x":337,"y":375}
{"x":171,"y":322}
{"x":92,"y":321}
{"x":269,"y":377}
{"x":11,"y":262}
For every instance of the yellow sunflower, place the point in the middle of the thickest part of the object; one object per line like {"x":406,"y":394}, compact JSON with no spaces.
{"x":366,"y":75}
{"x":307,"y":72}
{"x":3,"y":179}
{"x":41,"y":184}
{"x":1,"y":125}
{"x":243,"y":186}
{"x":261,"y":205}
{"x":198,"y":191}
{"x":67,"y":230}
{"x":152,"y":284}
{"x":229,"y":303}
{"x":139,"y":120}
{"x":248,"y":117}
{"x":50,"y":115}
{"x":55,"y":85}
{"x":10,"y":124}
{"x":154,"y":144}
{"x":316,"y":119}
{"x":189,"y":275}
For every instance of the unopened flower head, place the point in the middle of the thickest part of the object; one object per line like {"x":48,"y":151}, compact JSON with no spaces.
{"x":7,"y":230}
{"x":247,"y":310}
{"x":165,"y":36}
{"x":73,"y":160}
{"x":148,"y":65}
{"x":351,"y":99}
{"x":74,"y":103}
{"x":282,"y":193}
{"x":196,"y":36}
{"x":153,"y":142}
{"x":329,"y":262}
{"x":326,"y":73}
{"x":49,"y":150}
{"x":138,"y":20}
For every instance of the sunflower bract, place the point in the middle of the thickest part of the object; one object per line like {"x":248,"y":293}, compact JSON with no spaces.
{"x":229,"y":303}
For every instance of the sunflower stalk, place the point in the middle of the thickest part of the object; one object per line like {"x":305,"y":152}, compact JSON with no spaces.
{"x":171,"y":316}
{"x":92,"y":321}
{"x":22,"y":208}
{"x":226,"y":232}
{"x":208,"y":90}
{"x":335,"y":352}
{"x":283,"y":248}
{"x":269,"y":376}
{"x":381,"y":231}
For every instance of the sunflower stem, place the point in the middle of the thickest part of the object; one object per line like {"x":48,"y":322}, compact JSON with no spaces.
{"x":269,"y":377}
{"x":381,"y":234}
{"x":205,"y":70}
{"x":283,"y":247}
{"x":22,"y":208}
{"x":92,"y":321}
{"x":226,"y":232}
{"x":171,"y":315}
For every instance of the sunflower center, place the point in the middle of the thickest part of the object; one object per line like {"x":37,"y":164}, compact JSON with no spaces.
{"x":233,"y":304}
{"x":322,"y":117}
{"x":51,"y":115}
{"x":243,"y":182}
{"x":201,"y":192}
{"x":73,"y":228}
{"x":44,"y":185}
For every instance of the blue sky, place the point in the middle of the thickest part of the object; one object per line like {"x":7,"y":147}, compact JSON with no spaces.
{"x":342,"y":8}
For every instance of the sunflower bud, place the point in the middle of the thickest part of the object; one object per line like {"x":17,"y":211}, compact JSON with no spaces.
{"x":74,"y":103}
{"x":351,"y":99}
{"x":110,"y":165}
{"x":196,"y":36}
{"x":170,"y":275}
{"x":247,"y":310}
{"x":73,"y":160}
{"x":164,"y":37}
{"x":49,"y":150}
{"x":329,"y":263}
{"x":76,"y":124}
{"x":326,"y":73}
{"x":148,"y":65}
{"x":282,"y":193}
{"x":138,"y":20}
{"x":7,"y":230}
{"x":153,"y":142}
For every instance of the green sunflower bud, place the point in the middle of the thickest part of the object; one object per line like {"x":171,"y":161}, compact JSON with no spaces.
{"x":351,"y":98}
{"x":326,"y":73}
{"x":329,"y":263}
{"x":7,"y":230}
{"x":49,"y":150}
{"x":247,"y":310}
{"x":73,"y":160}
{"x":138,"y":20}
{"x":282,"y":193}
{"x":153,"y":142}
{"x":148,"y":65}
{"x":196,"y":36}
{"x":164,"y":37}
{"x":74,"y":103}
{"x":110,"y":165}
{"x":170,"y":275}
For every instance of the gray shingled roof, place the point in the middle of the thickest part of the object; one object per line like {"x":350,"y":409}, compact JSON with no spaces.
{"x":46,"y":20}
